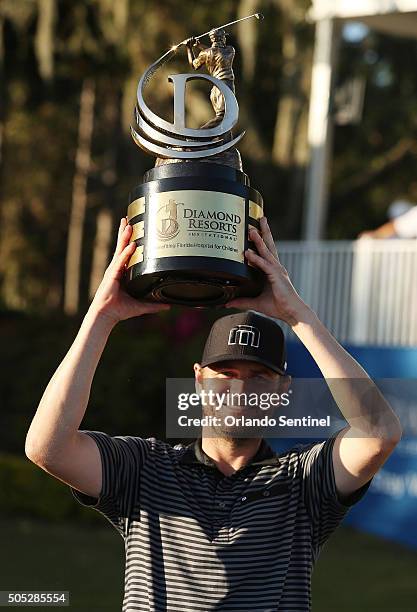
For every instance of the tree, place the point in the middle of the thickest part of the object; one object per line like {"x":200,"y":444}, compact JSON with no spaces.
{"x":79,"y":198}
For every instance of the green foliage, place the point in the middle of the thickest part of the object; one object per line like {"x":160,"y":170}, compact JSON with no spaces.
{"x":127,"y":397}
{"x":29,"y":491}
{"x":43,"y":555}
{"x":128,"y":392}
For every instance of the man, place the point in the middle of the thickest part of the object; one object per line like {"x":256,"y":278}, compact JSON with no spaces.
{"x":224,"y":523}
{"x":402,"y":224}
{"x":218,"y":60}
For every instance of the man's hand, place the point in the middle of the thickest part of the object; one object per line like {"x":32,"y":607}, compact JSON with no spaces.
{"x":279,"y":298}
{"x":111,"y":300}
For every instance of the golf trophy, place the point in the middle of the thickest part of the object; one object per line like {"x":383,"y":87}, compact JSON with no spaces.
{"x":192,"y":213}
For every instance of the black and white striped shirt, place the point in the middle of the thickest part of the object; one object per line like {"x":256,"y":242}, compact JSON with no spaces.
{"x":199,"y":541}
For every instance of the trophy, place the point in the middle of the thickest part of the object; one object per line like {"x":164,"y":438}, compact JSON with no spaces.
{"x":192,"y":212}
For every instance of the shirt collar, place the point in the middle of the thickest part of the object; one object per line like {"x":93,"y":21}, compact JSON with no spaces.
{"x":194,"y":454}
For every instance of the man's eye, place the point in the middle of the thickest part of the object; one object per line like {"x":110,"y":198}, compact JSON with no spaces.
{"x":227,"y":373}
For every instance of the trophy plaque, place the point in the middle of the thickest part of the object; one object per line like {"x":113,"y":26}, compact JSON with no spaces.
{"x":192,"y":212}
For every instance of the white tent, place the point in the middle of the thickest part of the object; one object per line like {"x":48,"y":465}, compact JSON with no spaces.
{"x":396,"y":17}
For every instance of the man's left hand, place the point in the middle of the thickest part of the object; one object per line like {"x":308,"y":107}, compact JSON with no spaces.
{"x":278,"y":298}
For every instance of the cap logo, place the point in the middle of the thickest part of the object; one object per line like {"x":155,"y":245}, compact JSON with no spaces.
{"x":245,"y":335}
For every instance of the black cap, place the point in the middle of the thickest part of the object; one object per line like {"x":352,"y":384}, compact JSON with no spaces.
{"x":249,"y":335}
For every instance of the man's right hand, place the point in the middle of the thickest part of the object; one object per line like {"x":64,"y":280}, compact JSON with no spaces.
{"x":111,"y":300}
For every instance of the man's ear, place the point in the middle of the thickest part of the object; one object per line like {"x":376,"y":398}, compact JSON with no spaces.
{"x":198,"y":372}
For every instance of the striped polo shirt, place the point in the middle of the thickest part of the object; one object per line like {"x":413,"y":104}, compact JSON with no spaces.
{"x":199,"y":541}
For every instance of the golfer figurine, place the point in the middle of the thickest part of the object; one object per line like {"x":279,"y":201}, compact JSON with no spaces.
{"x":218,"y":60}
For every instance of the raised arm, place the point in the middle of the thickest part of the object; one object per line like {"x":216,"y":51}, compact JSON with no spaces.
{"x":53,"y":441}
{"x":374,"y":429}
{"x":194,"y":62}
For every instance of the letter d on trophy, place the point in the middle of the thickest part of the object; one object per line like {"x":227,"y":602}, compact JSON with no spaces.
{"x":192,"y":212}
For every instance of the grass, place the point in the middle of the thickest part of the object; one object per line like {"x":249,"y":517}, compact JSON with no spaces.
{"x":364,"y":573}
{"x":44,"y":556}
{"x":355,"y":571}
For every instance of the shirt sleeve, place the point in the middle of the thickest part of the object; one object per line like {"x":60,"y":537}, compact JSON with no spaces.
{"x":406,"y":225}
{"x":122,"y":458}
{"x":324,"y":505}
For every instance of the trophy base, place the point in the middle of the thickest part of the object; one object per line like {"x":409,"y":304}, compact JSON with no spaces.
{"x":190,"y":223}
{"x":199,"y":284}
